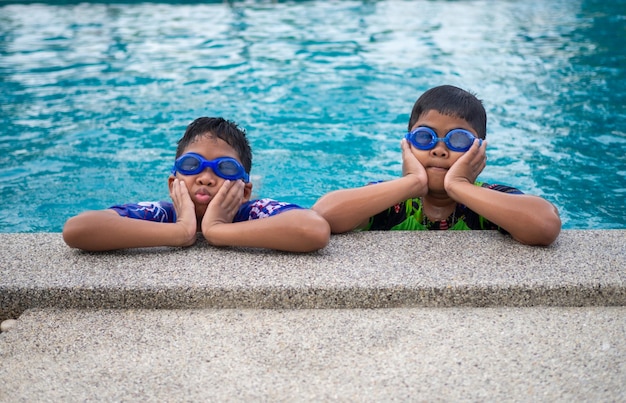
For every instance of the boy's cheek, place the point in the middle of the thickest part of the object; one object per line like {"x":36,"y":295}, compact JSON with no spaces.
{"x":420,"y":157}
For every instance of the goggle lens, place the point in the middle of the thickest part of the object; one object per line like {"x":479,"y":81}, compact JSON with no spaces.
{"x":187,"y":163}
{"x":228,"y":167}
{"x":460,"y":139}
{"x":423,"y":138}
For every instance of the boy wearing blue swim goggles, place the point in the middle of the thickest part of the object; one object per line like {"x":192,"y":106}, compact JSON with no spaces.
{"x":443,"y":153}
{"x":210,"y":189}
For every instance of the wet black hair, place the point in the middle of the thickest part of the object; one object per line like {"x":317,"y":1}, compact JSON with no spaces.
{"x":219,"y":128}
{"x":452,"y":101}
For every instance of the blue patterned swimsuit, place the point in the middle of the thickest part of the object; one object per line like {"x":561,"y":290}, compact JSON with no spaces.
{"x":163,"y":211}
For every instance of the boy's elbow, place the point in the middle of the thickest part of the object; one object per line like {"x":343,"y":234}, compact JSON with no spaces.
{"x":544,"y":233}
{"x":73,"y":232}
{"x":316,"y":232}
{"x":321,"y":208}
{"x":550,"y":228}
{"x":335,"y":221}
{"x":320,"y":237}
{"x":550,"y":232}
{"x":82,"y":231}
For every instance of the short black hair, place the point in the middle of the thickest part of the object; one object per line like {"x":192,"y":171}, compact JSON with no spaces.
{"x":219,"y":128}
{"x":452,"y":101}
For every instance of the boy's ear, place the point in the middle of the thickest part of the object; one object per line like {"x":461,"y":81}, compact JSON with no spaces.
{"x":170,"y":181}
{"x":247,"y":191}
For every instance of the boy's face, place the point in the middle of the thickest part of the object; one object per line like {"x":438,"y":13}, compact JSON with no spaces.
{"x":438,"y":160}
{"x":204,"y":186}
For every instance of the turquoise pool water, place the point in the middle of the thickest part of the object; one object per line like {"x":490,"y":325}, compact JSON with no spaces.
{"x":94,"y":96}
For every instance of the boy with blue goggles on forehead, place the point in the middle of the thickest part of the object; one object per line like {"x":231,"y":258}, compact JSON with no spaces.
{"x":443,"y":153}
{"x":210,"y":189}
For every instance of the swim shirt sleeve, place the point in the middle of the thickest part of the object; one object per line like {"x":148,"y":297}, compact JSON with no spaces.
{"x":160,"y":211}
{"x":163,"y":211}
{"x":262,"y":208}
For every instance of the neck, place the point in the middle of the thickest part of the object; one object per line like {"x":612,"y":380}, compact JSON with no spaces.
{"x":437,"y":209}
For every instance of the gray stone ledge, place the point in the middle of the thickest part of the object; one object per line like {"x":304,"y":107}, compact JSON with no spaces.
{"x":357,"y":270}
{"x":500,"y":354}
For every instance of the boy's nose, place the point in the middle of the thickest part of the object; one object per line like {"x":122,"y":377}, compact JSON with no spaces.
{"x":207,"y":177}
{"x":440,"y":150}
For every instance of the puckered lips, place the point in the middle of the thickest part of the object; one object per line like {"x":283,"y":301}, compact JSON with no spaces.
{"x":203,"y":196}
{"x":437,"y":168}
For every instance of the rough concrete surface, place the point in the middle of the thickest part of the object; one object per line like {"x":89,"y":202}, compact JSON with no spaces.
{"x":378,"y":316}
{"x":359,"y":270}
{"x":400,"y":354}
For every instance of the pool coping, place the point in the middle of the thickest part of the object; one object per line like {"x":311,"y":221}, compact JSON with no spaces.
{"x":357,"y":270}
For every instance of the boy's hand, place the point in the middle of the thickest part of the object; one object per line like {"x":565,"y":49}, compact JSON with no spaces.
{"x":185,"y":212}
{"x":467,"y":168}
{"x":224,"y":206}
{"x":412,"y":167}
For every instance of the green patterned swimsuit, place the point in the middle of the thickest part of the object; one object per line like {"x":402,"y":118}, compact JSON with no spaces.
{"x":408,"y":216}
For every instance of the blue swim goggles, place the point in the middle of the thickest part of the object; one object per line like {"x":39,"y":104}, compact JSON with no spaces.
{"x":425,"y":138}
{"x":224,"y":167}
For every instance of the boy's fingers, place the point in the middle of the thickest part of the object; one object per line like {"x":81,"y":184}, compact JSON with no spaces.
{"x":225,"y":204}
{"x":179,"y":190}
{"x":405,"y":148}
{"x":221,"y":193}
{"x":235,"y":194}
{"x":175,"y":190}
{"x":404,"y":145}
{"x":230,"y":194}
{"x":477,"y":151}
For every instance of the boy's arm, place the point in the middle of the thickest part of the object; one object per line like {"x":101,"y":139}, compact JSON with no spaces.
{"x":530,"y":220}
{"x":297,"y":230}
{"x":103,"y":230}
{"x":349,"y":209}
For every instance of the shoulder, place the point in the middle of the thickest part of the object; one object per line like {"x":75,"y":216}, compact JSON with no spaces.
{"x":499,"y":188}
{"x":261,"y":208}
{"x":161,"y":211}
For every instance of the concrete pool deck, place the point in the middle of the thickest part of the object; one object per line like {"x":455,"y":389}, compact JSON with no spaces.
{"x":374,"y":316}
